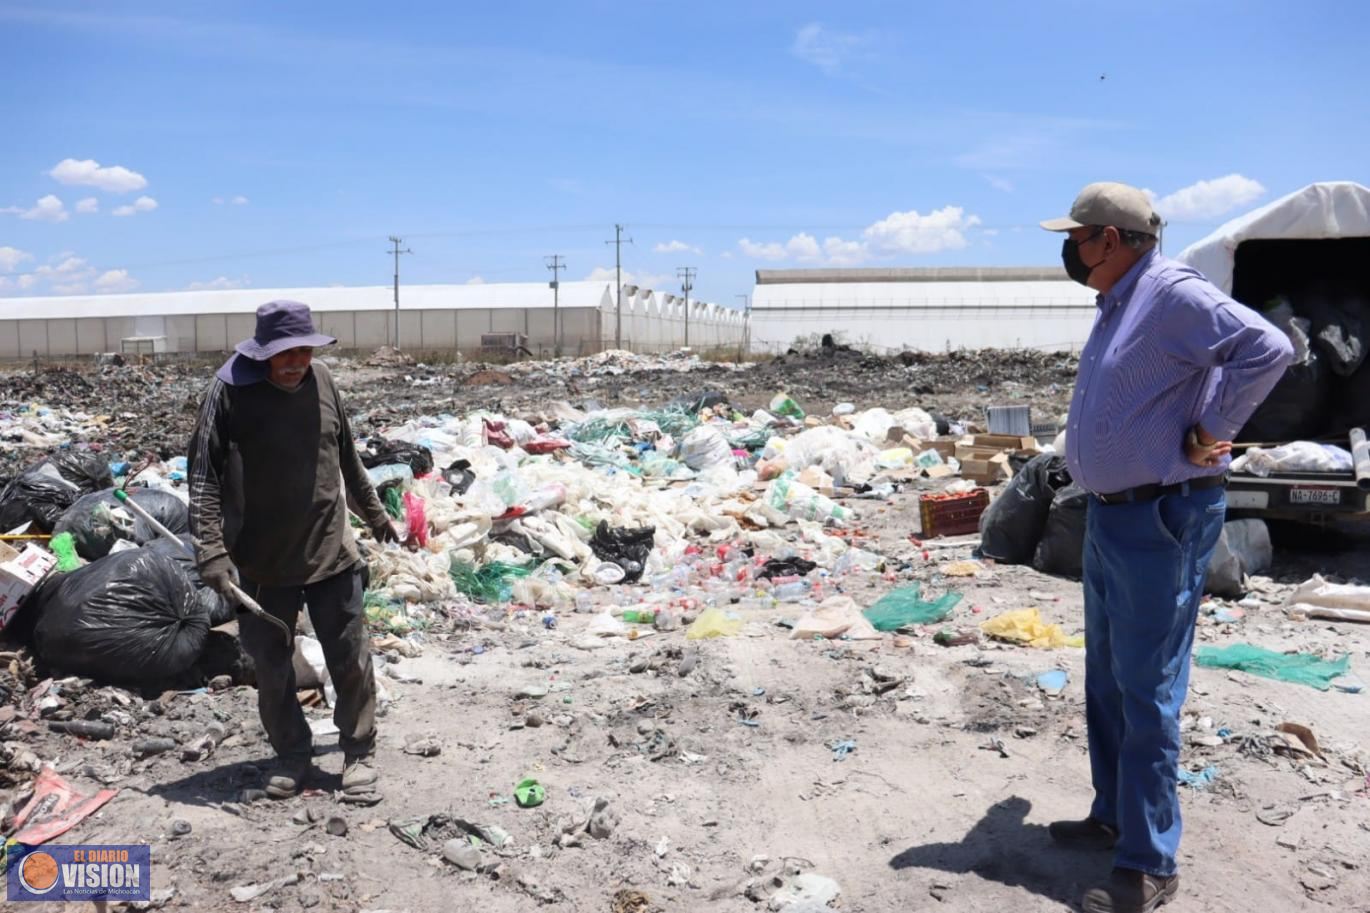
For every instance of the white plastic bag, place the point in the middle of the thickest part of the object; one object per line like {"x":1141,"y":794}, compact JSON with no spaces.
{"x":704,"y":448}
{"x":1297,"y":456}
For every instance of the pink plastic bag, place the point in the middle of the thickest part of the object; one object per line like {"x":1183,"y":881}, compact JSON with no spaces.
{"x":416,"y":515}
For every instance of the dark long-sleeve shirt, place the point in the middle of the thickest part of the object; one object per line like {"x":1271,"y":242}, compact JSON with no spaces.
{"x":1168,"y":350}
{"x":273,"y":462}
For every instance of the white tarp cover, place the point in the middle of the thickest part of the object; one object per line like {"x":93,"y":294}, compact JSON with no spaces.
{"x":1333,"y":209}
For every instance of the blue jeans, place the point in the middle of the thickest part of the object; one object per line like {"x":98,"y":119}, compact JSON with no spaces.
{"x":1144,"y":568}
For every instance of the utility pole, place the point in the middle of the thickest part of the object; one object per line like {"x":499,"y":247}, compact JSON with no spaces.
{"x":556,"y":265}
{"x":687,"y":275}
{"x":618,"y":282}
{"x":397,"y":242}
{"x":746,"y":324}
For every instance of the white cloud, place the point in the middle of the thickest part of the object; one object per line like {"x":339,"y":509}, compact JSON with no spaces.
{"x":68,"y":274}
{"x":663,"y":281}
{"x":476,"y":280}
{"x":239,"y":200}
{"x":802,"y":247}
{"x":221,"y":282}
{"x":115,"y":280}
{"x":898,"y":233}
{"x":1206,"y":200}
{"x":998,"y":183}
{"x":11,"y":257}
{"x":911,"y":233}
{"x":217,"y":201}
{"x":47,"y":209}
{"x":89,"y":173}
{"x":675,"y":247}
{"x":823,"y":48}
{"x":142,"y":204}
{"x":88,"y":205}
{"x":990,"y":232}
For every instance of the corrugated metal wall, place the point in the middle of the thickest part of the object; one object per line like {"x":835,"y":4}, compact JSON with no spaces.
{"x":646,"y":328}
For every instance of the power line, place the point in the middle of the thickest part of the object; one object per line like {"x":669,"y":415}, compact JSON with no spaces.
{"x":618,"y":283}
{"x":687,"y":275}
{"x":396,"y":251}
{"x":556,"y":265}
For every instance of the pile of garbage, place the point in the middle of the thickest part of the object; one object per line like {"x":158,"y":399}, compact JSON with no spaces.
{"x":678,"y":509}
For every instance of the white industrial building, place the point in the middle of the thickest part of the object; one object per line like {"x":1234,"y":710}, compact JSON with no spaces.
{"x":923,"y":309}
{"x":431,"y":318}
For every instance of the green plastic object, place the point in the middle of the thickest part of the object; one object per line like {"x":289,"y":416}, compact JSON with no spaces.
{"x":394,"y":503}
{"x":784,"y":404}
{"x":1299,"y":668}
{"x":63,"y":545}
{"x":490,"y":583}
{"x":529,"y":794}
{"x":906,"y":606}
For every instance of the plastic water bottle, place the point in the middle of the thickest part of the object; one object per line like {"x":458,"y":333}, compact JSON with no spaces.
{"x":791,"y":592}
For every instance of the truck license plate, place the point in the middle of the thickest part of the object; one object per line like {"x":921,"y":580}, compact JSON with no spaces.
{"x":1315,"y":496}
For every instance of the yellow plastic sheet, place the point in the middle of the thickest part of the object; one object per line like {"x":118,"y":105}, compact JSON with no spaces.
{"x":1025,"y":626}
{"x":714,"y":622}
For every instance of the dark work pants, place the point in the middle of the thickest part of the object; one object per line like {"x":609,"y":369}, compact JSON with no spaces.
{"x":335,"y":607}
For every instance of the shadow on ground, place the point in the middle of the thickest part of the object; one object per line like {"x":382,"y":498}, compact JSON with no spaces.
{"x":1004,"y":848}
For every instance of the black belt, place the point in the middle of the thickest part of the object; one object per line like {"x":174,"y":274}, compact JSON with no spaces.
{"x":1152,"y":492}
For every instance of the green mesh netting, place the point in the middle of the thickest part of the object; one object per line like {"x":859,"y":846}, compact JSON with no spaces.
{"x":1300,"y":668}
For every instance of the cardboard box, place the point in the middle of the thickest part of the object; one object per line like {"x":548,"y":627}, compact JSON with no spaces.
{"x":20,"y":572}
{"x":1005,"y":442}
{"x":987,"y":471}
{"x":945,"y":448}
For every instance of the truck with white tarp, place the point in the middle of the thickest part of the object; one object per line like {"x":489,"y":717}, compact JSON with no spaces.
{"x":1303,"y":261}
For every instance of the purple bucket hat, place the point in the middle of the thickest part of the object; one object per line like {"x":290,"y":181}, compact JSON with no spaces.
{"x":281,"y":325}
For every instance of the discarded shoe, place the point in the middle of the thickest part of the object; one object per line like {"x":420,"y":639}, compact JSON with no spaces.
{"x":358,"y":774}
{"x":287,"y":778}
{"x":1089,"y":834}
{"x":1130,"y":891}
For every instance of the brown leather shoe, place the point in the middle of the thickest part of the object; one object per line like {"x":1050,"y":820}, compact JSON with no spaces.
{"x":1089,"y":834}
{"x":1130,"y":891}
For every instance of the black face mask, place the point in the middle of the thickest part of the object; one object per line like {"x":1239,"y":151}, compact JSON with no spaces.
{"x":1076,"y":267}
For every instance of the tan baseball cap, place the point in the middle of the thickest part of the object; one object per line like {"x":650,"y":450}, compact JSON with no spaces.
{"x":1109,"y":203}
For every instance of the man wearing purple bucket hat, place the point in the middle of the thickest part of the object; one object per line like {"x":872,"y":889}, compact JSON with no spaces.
{"x":269,"y":459}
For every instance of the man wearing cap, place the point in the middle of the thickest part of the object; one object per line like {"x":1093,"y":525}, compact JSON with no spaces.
{"x":1172,"y":370}
{"x":269,"y":458}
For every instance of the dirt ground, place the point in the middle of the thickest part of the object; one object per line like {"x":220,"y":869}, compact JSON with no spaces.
{"x":716,"y":757}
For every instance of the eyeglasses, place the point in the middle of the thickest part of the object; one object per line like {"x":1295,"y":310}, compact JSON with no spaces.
{"x":1097,"y":232}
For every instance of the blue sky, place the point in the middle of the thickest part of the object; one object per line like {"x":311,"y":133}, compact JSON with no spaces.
{"x":173,"y":145}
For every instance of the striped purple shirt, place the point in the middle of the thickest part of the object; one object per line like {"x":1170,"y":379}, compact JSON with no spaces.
{"x":1168,"y":350}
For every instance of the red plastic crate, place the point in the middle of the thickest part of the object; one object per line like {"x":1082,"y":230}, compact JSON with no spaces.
{"x":954,"y":515}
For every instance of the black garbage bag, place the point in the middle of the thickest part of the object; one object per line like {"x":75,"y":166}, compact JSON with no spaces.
{"x":786,"y":567}
{"x":386,"y":453}
{"x":1300,"y":404}
{"x":628,"y":548}
{"x":696,"y":401}
{"x":1062,"y":549}
{"x":97,"y":521}
{"x":1011,"y":527}
{"x":1338,"y":326}
{"x":129,"y":617}
{"x":39,"y":495}
{"x":459,"y":476}
{"x":219,"y":608}
{"x":1352,"y":405}
{"x":87,"y":470}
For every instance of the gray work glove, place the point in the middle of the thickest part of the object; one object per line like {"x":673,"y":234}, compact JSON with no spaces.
{"x":219,"y":574}
{"x":384,"y":531}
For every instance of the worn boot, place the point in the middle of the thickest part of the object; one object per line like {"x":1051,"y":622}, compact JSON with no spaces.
{"x":1089,"y":834}
{"x":1130,"y":891}
{"x":287,"y":778}
{"x":359,"y":781}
